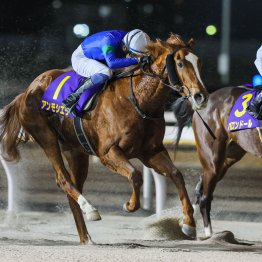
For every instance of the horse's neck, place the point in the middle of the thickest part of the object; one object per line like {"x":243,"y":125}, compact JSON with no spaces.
{"x":150,"y":92}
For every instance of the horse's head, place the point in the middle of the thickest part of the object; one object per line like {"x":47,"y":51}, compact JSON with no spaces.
{"x":183,"y":68}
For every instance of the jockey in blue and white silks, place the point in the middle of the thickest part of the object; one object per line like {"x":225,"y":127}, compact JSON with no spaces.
{"x":99,"y":54}
{"x":255,"y":107}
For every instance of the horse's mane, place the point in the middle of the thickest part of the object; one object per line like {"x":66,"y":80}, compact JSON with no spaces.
{"x":174,"y":41}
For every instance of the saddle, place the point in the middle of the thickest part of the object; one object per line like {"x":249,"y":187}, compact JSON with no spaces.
{"x":60,"y":88}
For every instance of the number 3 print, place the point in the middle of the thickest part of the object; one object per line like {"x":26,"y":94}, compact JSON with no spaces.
{"x":246,"y":98}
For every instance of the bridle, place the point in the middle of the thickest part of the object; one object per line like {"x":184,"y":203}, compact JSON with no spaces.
{"x":175,"y":84}
{"x":145,"y":68}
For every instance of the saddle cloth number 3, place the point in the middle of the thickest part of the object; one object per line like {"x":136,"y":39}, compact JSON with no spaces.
{"x":246,"y":99}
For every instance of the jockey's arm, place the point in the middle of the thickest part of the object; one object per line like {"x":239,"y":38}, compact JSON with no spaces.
{"x":115,"y":62}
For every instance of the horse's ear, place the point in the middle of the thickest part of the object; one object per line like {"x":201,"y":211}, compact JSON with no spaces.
{"x":191,"y":43}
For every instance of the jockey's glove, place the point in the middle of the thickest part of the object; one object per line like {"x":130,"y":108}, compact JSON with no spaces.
{"x":145,"y":60}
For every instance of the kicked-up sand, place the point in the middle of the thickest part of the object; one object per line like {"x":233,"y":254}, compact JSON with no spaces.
{"x":43,"y":236}
{"x":42,"y":230}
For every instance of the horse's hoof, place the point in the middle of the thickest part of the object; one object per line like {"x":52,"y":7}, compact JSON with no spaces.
{"x":126,"y":208}
{"x":87,"y":242}
{"x":189,"y":231}
{"x":91,"y":242}
{"x":93,"y":216}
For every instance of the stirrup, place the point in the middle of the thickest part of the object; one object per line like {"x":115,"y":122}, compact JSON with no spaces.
{"x":71,"y":108}
{"x":70,"y":101}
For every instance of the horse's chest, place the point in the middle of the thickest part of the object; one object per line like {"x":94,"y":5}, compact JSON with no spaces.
{"x":142,"y":136}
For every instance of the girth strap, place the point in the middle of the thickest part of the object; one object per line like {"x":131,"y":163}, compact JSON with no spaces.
{"x":81,"y":136}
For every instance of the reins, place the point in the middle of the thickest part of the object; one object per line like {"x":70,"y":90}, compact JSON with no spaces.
{"x":172,"y":74}
{"x":206,"y":126}
{"x":131,"y":73}
{"x":132,"y":97}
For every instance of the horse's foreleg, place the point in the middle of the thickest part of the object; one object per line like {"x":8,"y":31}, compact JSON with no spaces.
{"x":163,"y":165}
{"x":78,"y":163}
{"x":117,"y":162}
{"x":212,"y":157}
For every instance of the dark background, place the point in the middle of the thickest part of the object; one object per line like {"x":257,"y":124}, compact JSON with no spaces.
{"x":37,"y":36}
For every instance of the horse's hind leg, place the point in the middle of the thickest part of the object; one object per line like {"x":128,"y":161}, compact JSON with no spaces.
{"x":78,"y":163}
{"x":117,"y":162}
{"x":233,"y":154}
{"x":38,"y":127}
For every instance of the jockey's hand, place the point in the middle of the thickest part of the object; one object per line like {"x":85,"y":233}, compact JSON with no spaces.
{"x":144,"y":60}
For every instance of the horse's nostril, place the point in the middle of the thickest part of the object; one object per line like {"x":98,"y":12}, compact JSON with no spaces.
{"x":199,"y":98}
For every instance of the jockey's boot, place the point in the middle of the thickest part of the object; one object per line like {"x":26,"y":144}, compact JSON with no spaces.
{"x":255,"y":107}
{"x":70,"y":102}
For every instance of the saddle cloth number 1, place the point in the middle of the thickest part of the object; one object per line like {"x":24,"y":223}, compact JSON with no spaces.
{"x":59,"y":87}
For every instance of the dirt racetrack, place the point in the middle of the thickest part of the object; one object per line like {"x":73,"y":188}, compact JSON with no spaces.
{"x":41,"y":228}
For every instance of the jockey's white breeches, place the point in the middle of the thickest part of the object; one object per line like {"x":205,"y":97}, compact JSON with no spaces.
{"x":87,"y":67}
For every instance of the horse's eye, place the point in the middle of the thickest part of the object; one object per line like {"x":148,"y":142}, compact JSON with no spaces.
{"x":180,"y":64}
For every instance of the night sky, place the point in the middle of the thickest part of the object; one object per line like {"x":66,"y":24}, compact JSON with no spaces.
{"x":191,"y":16}
{"x":38,"y":35}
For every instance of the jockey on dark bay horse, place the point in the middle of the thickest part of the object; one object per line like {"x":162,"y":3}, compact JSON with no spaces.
{"x":99,"y":54}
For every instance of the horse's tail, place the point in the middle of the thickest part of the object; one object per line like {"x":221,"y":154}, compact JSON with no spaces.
{"x":11,"y":131}
{"x":183,"y":113}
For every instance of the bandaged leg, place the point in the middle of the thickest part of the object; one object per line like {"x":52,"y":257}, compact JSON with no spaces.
{"x":90,"y":211}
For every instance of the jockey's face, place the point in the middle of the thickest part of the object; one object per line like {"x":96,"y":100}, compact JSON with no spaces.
{"x":124,"y":48}
{"x":127,"y":52}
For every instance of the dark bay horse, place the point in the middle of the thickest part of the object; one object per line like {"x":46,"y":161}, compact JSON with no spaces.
{"x":115,"y":129}
{"x":220,"y":153}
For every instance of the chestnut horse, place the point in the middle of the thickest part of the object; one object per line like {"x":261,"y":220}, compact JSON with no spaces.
{"x":218,"y":149}
{"x":116,"y":131}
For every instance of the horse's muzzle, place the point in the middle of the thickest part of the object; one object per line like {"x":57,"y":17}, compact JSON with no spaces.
{"x":199,"y":100}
